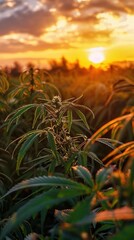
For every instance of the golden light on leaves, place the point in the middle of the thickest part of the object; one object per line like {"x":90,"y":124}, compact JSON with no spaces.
{"x":14,"y":217}
{"x":124,"y":213}
{"x":96,"y":55}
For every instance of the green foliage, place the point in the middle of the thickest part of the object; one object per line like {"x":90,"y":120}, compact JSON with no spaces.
{"x":52,"y":122}
{"x":57,"y":190}
{"x":45,"y":200}
{"x":32,"y":85}
{"x":127,"y":231}
{"x":85,"y":174}
{"x":63,"y":175}
{"x":4,"y":85}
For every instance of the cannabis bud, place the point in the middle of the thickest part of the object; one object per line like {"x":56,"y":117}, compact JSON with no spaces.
{"x":56,"y":102}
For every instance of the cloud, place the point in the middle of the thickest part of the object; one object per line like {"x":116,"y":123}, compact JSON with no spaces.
{"x":60,"y":4}
{"x":87,"y":19}
{"x":66,"y":6}
{"x":94,"y":35}
{"x":27,"y":21}
{"x":115,"y":6}
{"x":96,"y":6}
{"x":35,"y":18}
{"x":107,"y":6}
{"x":7,"y":5}
{"x":128,"y":3}
{"x":12,"y":46}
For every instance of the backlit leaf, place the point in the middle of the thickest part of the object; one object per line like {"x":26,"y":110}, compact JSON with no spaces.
{"x":85,"y":175}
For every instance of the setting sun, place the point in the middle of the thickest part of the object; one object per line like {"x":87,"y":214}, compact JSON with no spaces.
{"x":96,"y":55}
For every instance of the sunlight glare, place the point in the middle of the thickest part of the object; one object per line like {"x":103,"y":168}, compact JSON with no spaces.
{"x":96,"y":55}
{"x":62,"y":22}
{"x":10,"y":3}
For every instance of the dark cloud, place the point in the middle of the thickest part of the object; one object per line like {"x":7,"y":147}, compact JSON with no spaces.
{"x":66,"y":5}
{"x":116,"y":7}
{"x":27,"y":21}
{"x":63,"y":7}
{"x":97,"y":6}
{"x":107,"y":6}
{"x":12,"y":46}
{"x":5,"y":5}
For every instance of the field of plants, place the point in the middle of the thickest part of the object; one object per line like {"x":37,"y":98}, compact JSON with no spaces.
{"x":67,"y":153}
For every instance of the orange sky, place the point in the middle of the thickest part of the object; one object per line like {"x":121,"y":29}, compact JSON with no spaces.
{"x":49,"y":29}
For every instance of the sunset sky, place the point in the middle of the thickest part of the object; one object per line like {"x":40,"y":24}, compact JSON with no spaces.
{"x":49,"y":29}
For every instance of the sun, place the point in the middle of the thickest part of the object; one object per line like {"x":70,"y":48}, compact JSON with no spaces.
{"x":96,"y":55}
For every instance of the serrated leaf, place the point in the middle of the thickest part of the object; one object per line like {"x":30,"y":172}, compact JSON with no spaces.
{"x":43,"y":201}
{"x":24,"y":148}
{"x":52,"y":145}
{"x":32,"y":207}
{"x":17,"y":114}
{"x":51,"y":141}
{"x":37,"y":114}
{"x":94,"y":157}
{"x":82,"y":117}
{"x":85,"y":175}
{"x":102,"y":177}
{"x":50,"y":181}
{"x":69,"y":118}
{"x":109,"y":142}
